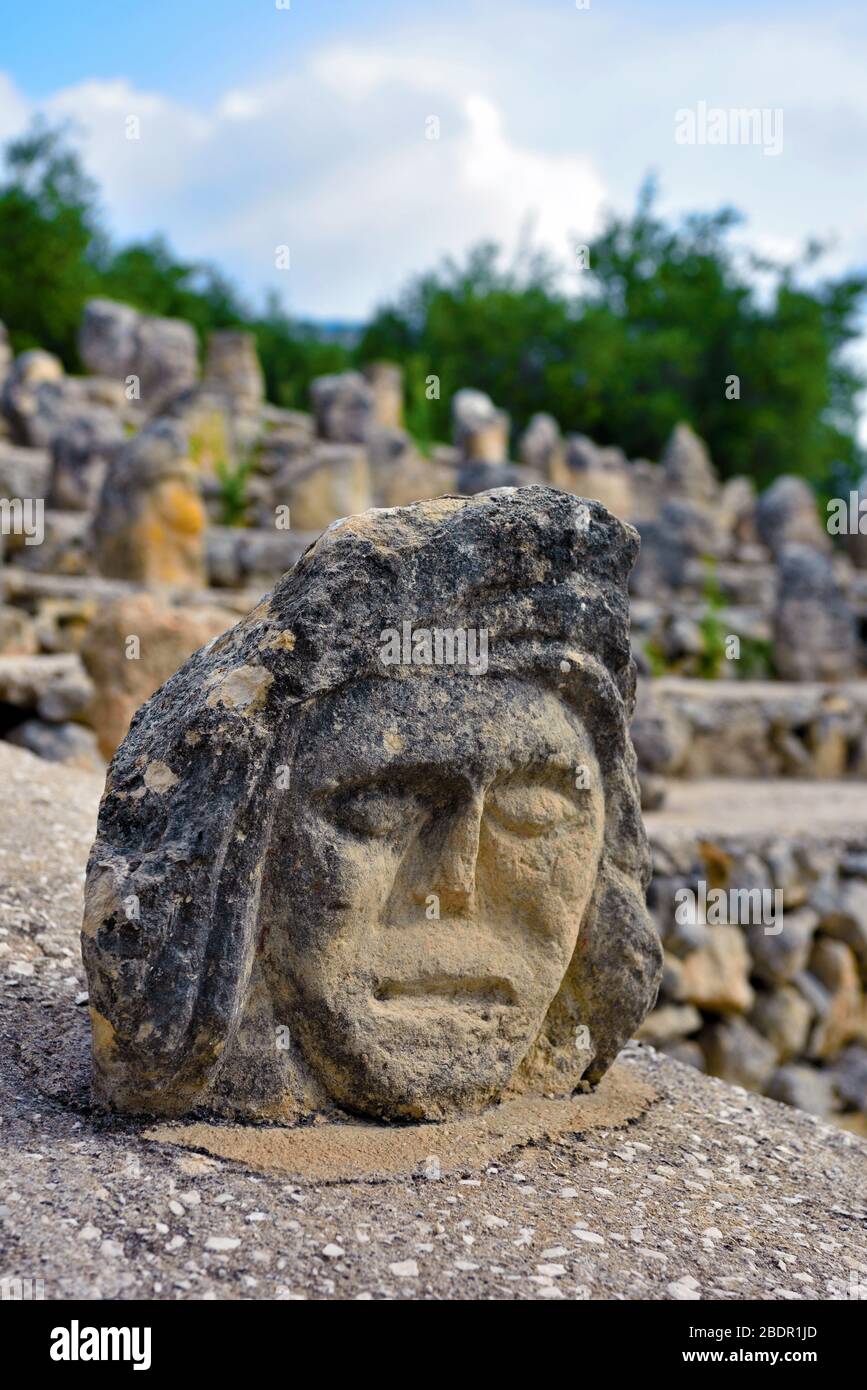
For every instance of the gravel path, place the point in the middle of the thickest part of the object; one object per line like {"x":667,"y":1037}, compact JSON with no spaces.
{"x":711,"y":1193}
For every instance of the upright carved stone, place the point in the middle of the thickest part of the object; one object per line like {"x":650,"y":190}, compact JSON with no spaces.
{"x":481,"y":430}
{"x":232,"y":369}
{"x":386,"y":382}
{"x":160,"y":354}
{"x":378,"y":848}
{"x":80,"y":456}
{"x":541,"y":447}
{"x":343,"y":406}
{"x":786,"y":514}
{"x":815,"y":636}
{"x":150,"y":523}
{"x":687,"y":466}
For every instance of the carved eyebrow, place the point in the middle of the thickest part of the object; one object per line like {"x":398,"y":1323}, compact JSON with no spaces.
{"x":402,"y":774}
{"x":397,"y":777}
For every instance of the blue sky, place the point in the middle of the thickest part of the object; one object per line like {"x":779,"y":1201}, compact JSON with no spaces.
{"x":307,"y":127}
{"x":185,"y":48}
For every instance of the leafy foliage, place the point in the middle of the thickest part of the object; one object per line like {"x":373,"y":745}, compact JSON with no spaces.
{"x":647,"y":335}
{"x":233,"y":491}
{"x":666,"y":316}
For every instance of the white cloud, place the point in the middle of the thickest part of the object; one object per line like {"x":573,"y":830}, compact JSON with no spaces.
{"x":545,"y":113}
{"x":334,"y":161}
{"x":14,"y":111}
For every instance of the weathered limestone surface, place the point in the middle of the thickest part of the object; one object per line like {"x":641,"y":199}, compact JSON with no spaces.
{"x":386,"y":382}
{"x":332,"y":481}
{"x":232,"y":369}
{"x":132,"y":646}
{"x":481,"y":430}
{"x":815,"y":634}
{"x":739,"y":728}
{"x":776,"y":1002}
{"x":81,"y":454}
{"x":117,"y":341}
{"x":786,"y":514}
{"x":324,"y":880}
{"x":343,"y":405}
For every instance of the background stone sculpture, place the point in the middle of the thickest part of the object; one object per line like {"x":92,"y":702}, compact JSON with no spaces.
{"x":405,"y":890}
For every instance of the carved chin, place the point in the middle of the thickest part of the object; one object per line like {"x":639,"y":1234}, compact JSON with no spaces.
{"x":426,"y":1055}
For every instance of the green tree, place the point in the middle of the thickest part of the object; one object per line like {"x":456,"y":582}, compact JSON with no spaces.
{"x":666,"y":317}
{"x":292,"y":355}
{"x":47,"y":223}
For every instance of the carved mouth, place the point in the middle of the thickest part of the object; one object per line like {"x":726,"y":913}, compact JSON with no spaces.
{"x":462,"y":990}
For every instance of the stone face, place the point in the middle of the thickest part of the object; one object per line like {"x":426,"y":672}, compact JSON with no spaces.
{"x":481,"y":431}
{"x":117,"y":342}
{"x":343,"y":407}
{"x":324,"y":878}
{"x":815,"y":635}
{"x":150,"y":523}
{"x":131,"y":648}
{"x":786,"y":514}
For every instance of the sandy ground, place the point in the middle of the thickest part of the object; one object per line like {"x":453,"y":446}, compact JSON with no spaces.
{"x":708,"y":1193}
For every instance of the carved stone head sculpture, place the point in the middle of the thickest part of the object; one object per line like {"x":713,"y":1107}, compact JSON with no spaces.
{"x":379,"y":846}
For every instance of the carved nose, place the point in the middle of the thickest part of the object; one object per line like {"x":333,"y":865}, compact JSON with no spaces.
{"x":454,"y":878}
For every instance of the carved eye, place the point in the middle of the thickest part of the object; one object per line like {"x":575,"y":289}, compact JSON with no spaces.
{"x":376,"y":811}
{"x":529,"y":810}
